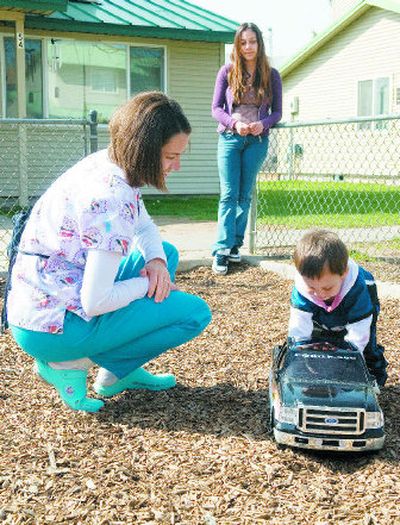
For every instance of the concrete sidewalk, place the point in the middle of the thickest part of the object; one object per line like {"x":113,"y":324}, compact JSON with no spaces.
{"x":194,"y":240}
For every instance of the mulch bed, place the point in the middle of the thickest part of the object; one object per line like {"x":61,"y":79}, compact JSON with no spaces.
{"x":201,"y":453}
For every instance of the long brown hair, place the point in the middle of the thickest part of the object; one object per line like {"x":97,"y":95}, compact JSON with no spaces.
{"x":237,"y":75}
{"x":138,"y":131}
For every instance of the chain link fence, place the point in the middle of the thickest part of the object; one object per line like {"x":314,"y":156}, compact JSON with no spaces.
{"x":33,"y":153}
{"x":343,"y":175}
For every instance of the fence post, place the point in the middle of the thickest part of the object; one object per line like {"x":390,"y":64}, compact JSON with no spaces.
{"x":253,"y":221}
{"x":93,"y":137}
{"x":23,"y":199}
{"x":290,"y":155}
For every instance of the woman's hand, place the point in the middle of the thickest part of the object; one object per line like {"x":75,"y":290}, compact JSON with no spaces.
{"x":242,"y":128}
{"x":256,"y":128}
{"x":160,"y":284}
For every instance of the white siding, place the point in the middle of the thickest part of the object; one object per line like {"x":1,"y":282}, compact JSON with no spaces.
{"x":326,"y":83}
{"x":192,"y":70}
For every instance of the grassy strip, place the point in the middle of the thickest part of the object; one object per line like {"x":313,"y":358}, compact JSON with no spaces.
{"x":199,"y":208}
{"x":301,"y":204}
{"x":298,"y":204}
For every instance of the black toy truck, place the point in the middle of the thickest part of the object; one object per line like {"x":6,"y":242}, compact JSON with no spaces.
{"x":322,"y":397}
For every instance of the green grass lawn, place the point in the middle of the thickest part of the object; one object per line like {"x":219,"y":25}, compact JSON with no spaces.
{"x":301,"y":204}
{"x":200,"y":208}
{"x":298,"y":204}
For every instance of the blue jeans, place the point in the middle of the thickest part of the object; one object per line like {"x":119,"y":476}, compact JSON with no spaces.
{"x":239,"y":161}
{"x":125,"y":339}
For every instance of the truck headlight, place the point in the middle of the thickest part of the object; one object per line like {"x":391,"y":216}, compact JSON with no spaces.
{"x":287,"y":415}
{"x":373,"y":420}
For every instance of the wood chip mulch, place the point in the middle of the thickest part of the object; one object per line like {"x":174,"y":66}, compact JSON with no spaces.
{"x":202,"y":452}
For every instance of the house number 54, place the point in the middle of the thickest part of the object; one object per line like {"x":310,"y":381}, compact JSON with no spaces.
{"x":20,"y":40}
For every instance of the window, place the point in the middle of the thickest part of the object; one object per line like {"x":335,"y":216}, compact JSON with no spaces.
{"x":373,"y":101}
{"x":79,"y":76}
{"x":11,"y":78}
{"x":85,"y":76}
{"x":33,"y":78}
{"x":146,"y":69}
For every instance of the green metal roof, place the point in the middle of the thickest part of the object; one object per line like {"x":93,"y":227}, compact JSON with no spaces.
{"x":34,"y":5}
{"x":172,"y":19}
{"x":338,"y":26}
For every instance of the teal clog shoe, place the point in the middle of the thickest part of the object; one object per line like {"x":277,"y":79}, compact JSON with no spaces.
{"x":71,"y":385}
{"x":138,"y":379}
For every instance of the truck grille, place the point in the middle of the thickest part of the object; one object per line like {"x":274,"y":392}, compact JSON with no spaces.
{"x":325,"y":420}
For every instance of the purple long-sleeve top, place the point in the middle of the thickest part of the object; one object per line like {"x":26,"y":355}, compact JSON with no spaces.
{"x":269,"y":113}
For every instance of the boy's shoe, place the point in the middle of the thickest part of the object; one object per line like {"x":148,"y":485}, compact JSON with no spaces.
{"x":380,"y":376}
{"x":220,"y":262}
{"x":71,"y":385}
{"x":137,"y":379}
{"x":234,"y":255}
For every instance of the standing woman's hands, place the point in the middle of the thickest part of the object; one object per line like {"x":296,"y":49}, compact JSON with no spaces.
{"x":242,"y":128}
{"x":256,"y":128}
{"x":160,"y":284}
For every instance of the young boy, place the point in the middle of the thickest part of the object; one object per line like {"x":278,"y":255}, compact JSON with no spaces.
{"x":335,"y":299}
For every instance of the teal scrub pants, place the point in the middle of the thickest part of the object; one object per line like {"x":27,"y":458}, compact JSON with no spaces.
{"x":125,"y":339}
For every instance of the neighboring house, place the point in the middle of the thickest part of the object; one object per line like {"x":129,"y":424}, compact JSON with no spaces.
{"x":351,"y":69}
{"x":63,"y":58}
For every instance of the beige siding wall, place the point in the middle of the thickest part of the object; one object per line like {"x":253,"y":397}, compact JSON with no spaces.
{"x":192,"y":70}
{"x":326,"y":83}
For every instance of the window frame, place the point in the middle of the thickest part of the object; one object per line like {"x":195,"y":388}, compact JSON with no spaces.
{"x":157,"y":46}
{"x":379,"y":126}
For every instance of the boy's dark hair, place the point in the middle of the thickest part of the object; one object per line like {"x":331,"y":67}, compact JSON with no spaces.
{"x":318,"y":248}
{"x":138,"y":131}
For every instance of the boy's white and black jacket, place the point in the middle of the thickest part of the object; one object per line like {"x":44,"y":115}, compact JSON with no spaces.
{"x":353,"y":310}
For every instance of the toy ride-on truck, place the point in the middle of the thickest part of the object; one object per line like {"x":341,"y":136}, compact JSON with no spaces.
{"x":322,"y":397}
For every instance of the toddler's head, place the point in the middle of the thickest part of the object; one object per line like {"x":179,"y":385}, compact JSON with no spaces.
{"x":321,"y":258}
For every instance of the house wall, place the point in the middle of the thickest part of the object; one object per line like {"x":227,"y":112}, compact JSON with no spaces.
{"x":327,"y":83}
{"x":191,"y":72}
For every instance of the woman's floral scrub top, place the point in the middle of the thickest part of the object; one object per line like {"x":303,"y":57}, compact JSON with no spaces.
{"x":90,"y":206}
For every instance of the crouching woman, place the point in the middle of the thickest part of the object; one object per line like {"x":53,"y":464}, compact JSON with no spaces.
{"x":93,"y":283}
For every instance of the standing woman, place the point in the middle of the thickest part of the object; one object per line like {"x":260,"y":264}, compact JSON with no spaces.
{"x":93,"y":283}
{"x":247,"y":102}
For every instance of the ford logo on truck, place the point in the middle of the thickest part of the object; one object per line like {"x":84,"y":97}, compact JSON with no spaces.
{"x":331,"y":420}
